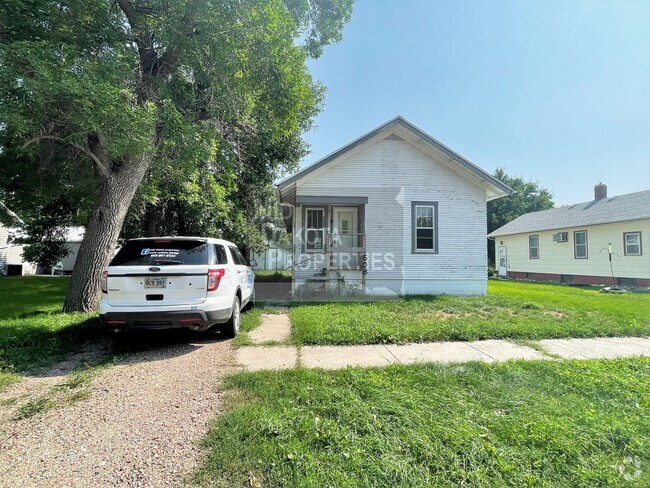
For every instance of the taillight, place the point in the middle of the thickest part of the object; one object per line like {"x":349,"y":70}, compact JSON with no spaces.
{"x":214,"y":278}
{"x":105,"y":282}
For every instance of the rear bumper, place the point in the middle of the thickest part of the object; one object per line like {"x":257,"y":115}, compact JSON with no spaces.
{"x":177,"y":319}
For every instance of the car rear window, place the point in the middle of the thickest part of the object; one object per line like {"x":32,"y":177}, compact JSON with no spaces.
{"x":159,"y":252}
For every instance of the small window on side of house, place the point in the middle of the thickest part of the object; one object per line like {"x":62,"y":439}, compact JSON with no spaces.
{"x":580,"y":244}
{"x":424,"y":222}
{"x":632,"y":243}
{"x":533,"y":247}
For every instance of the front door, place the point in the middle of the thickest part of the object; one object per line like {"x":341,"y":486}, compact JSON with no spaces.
{"x":345,"y":235}
{"x":345,"y":227}
{"x":503,"y":261}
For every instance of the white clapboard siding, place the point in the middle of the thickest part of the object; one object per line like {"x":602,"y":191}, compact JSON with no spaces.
{"x":4,"y":234}
{"x":392,"y":174}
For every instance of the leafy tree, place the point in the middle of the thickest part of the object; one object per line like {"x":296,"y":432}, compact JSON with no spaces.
{"x":134,"y":88}
{"x":528,"y":197}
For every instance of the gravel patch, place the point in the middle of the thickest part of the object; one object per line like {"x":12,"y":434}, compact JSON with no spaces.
{"x":139,"y":427}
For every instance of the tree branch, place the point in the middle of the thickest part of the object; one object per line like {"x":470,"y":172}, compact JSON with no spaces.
{"x":103,"y":168}
{"x":129,"y":11}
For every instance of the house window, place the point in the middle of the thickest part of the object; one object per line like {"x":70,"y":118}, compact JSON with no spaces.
{"x":533,"y":247}
{"x":632,"y":241}
{"x":424,"y":222}
{"x":315,"y":231}
{"x":580,"y":244}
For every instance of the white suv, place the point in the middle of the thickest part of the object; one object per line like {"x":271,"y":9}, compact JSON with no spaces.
{"x":174,"y":282}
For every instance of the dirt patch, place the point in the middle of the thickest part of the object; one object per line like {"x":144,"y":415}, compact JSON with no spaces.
{"x":555,"y":313}
{"x":140,"y":424}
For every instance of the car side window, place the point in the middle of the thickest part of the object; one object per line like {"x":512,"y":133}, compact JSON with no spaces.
{"x":235,"y":255}
{"x":218,"y":254}
{"x":240,"y":258}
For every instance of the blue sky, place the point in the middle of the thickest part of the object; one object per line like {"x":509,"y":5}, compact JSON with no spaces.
{"x":557,"y":92}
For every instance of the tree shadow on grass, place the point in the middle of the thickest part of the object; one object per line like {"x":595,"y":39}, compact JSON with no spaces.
{"x":45,"y":353}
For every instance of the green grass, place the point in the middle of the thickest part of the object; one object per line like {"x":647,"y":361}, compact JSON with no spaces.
{"x":272,"y":276}
{"x":536,"y":423}
{"x":513,"y":310}
{"x":33,"y":331}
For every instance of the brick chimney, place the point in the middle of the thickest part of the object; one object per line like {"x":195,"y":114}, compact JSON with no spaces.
{"x":600,"y":191}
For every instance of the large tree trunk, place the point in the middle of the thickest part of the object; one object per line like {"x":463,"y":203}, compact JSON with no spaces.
{"x":151,"y":220}
{"x":115,"y":195}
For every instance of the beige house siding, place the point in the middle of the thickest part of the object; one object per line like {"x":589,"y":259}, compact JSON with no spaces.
{"x":558,"y":258}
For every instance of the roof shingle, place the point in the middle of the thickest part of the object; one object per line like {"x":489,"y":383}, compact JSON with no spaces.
{"x":632,"y":206}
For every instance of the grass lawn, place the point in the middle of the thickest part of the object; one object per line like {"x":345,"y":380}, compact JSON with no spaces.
{"x":514,"y":310}
{"x":537,"y":423}
{"x":272,"y":276}
{"x":33,"y":331}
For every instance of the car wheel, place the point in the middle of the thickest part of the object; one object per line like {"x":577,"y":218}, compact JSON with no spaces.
{"x":231,"y":328}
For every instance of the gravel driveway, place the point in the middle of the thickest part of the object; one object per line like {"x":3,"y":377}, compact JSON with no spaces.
{"x":140,"y":426}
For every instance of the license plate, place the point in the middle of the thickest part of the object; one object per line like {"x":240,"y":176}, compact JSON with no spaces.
{"x":155,"y":282}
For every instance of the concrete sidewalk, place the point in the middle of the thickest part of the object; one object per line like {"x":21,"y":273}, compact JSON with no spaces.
{"x":336,"y":357}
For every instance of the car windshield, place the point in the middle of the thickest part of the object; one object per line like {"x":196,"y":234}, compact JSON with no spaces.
{"x":161,"y":252}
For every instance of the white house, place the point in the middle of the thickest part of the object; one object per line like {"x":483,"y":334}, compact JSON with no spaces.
{"x":572,"y":244}
{"x":275,"y":256}
{"x":11,"y":253}
{"x":394,"y":211}
{"x":73,"y":238}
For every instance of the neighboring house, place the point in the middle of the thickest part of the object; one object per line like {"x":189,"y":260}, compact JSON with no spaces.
{"x":394,"y":211}
{"x":571,"y":244}
{"x":74,"y":236}
{"x":275,"y":256}
{"x":11,"y":255}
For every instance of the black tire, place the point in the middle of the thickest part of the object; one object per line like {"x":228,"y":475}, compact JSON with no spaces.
{"x":231,"y":328}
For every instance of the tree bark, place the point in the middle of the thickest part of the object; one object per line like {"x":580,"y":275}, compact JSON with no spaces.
{"x":151,"y":220}
{"x":115,"y":195}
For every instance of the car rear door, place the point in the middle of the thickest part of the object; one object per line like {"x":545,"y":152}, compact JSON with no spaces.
{"x":243,"y":271}
{"x":155,"y":272}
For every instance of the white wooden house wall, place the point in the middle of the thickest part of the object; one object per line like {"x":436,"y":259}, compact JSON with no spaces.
{"x":392,"y":174}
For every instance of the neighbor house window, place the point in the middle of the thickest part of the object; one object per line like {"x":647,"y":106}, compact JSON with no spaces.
{"x":632,"y":241}
{"x":533,"y":247}
{"x":424,"y":223}
{"x":580,"y":244}
{"x":315,"y":231}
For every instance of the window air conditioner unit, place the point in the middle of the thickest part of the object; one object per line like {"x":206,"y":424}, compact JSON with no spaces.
{"x":561,"y":237}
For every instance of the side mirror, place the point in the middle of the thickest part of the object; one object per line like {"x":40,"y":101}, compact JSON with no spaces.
{"x":253,"y":263}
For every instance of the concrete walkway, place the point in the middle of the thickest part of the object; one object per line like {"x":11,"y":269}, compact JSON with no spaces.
{"x":274,"y":328}
{"x":336,"y":357}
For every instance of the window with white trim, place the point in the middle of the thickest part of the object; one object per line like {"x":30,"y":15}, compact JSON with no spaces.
{"x":424,"y":222}
{"x":580,"y":244}
{"x":314,"y":229}
{"x":533,"y":247}
{"x":632,"y":241}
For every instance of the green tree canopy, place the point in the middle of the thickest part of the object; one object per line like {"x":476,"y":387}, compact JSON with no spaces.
{"x":528,"y":197}
{"x":201,"y":98}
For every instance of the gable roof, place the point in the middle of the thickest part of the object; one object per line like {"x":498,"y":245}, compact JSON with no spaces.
{"x":500,"y":189}
{"x":632,"y":206}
